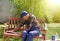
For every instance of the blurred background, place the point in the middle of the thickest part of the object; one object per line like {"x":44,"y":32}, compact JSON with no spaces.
{"x":49,"y":9}
{"x":45,"y":9}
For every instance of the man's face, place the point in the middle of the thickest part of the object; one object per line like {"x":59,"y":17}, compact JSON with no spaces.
{"x":25,"y":17}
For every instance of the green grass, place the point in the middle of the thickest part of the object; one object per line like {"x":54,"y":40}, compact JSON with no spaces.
{"x":0,"y":39}
{"x":53,"y":28}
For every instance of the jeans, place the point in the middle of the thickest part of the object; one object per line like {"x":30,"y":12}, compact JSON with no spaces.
{"x":29,"y":35}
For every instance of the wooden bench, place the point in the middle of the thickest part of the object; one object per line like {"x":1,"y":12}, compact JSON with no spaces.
{"x":13,"y":23}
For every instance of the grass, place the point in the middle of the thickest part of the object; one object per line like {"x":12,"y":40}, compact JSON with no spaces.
{"x":53,"y":28}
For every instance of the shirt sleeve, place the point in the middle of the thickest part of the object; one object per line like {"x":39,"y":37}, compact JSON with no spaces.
{"x":35,"y":22}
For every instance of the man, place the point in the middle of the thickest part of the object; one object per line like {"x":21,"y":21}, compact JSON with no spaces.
{"x":33,"y":27}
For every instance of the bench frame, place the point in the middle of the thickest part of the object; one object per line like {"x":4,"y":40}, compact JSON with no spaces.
{"x":13,"y":21}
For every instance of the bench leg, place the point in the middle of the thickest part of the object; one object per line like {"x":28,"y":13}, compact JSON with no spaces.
{"x":3,"y":38}
{"x":37,"y":39}
{"x":44,"y":38}
{"x":8,"y":38}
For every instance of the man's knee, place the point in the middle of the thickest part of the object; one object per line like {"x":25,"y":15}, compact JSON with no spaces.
{"x":31,"y":33}
{"x":24,"y":32}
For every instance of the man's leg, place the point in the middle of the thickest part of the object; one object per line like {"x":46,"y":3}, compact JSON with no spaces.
{"x":32,"y":34}
{"x":24,"y":35}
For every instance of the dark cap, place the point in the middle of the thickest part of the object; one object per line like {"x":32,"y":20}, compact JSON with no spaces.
{"x":23,"y":13}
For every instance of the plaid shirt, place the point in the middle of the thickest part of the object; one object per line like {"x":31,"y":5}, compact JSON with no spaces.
{"x":32,"y":21}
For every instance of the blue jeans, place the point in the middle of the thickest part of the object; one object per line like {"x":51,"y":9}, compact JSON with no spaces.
{"x":29,"y":35}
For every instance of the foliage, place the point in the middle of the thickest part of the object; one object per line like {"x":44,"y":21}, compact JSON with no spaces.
{"x":56,"y":18}
{"x":35,"y":7}
{"x":31,"y":6}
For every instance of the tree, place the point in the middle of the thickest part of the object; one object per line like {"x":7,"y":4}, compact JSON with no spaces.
{"x":31,"y":6}
{"x":56,"y":18}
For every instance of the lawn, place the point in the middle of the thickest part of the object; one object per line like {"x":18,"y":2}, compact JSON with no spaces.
{"x":53,"y":28}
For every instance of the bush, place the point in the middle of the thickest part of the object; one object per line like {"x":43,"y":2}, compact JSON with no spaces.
{"x":56,"y":18}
